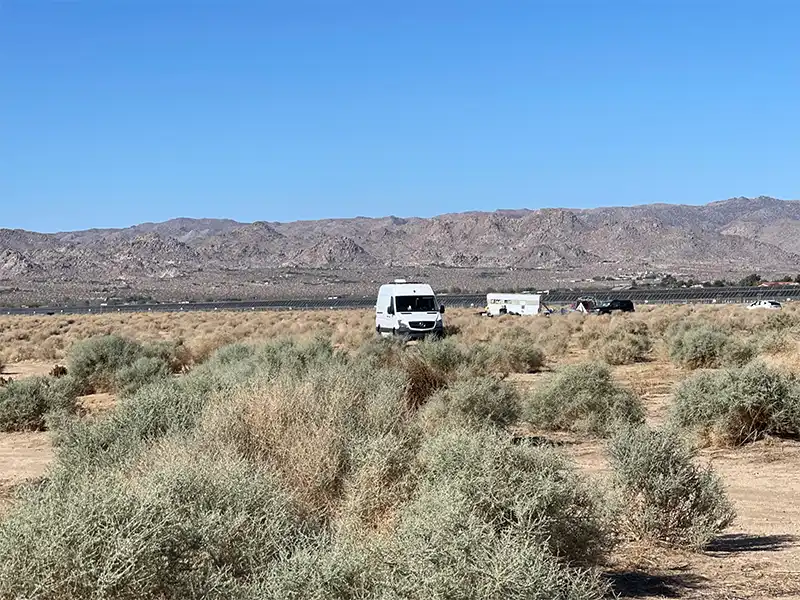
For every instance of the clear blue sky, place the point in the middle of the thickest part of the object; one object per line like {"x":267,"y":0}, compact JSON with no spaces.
{"x":114,"y":112}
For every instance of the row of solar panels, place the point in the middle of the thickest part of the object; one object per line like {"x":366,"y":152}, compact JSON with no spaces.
{"x":556,"y":297}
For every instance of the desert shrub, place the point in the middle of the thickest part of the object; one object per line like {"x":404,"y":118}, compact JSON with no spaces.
{"x":94,"y":361}
{"x":781,"y":321}
{"x":530,"y":492}
{"x":380,"y":478}
{"x":444,"y":356}
{"x":446,"y":548}
{"x":178,"y":525}
{"x":515,"y":351}
{"x":337,"y":567}
{"x":476,"y":400}
{"x":583,"y":398}
{"x":664,"y":495}
{"x":626,"y":342}
{"x":25,"y":403}
{"x":452,"y":329}
{"x":290,"y":470}
{"x":423,"y":380}
{"x":699,"y":347}
{"x":625,"y":350}
{"x":143,"y":370}
{"x":554,"y":341}
{"x":774,"y":342}
{"x":175,"y":354}
{"x":489,"y":520}
{"x":157,"y":410}
{"x":232,"y":354}
{"x":737,"y":353}
{"x":735,"y":406}
{"x":380,"y":352}
{"x":240,"y":362}
{"x":311,"y":430}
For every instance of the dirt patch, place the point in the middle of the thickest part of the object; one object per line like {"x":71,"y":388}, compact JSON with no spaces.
{"x":23,"y":456}
{"x":97,"y":403}
{"x":31,"y":368}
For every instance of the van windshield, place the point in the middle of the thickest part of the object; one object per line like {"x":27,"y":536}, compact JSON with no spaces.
{"x":415,"y":303}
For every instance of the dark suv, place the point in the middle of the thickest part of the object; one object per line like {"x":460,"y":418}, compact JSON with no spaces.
{"x":606,"y":308}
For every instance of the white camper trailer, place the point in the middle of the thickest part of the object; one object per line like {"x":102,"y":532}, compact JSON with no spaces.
{"x":513,"y":304}
{"x":409,"y":310}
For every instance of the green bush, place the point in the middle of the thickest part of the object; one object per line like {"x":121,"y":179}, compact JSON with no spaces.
{"x":93,"y":362}
{"x":477,"y":400}
{"x":177,"y":526}
{"x":624,"y":349}
{"x":583,"y":398}
{"x":737,"y":353}
{"x":697,"y":348}
{"x":442,"y":355}
{"x":381,"y":352}
{"x":627,"y":343}
{"x":736,"y":406}
{"x":516,"y":352}
{"x":175,"y":354}
{"x":157,"y":410}
{"x":446,"y":548}
{"x":104,"y":363}
{"x":337,"y":567}
{"x":707,"y":346}
{"x":144,"y":370}
{"x":489,"y":520}
{"x":664,"y":496}
{"x":531,"y":492}
{"x":26,"y":403}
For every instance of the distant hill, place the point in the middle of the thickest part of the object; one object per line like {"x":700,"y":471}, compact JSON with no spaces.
{"x":740,"y":234}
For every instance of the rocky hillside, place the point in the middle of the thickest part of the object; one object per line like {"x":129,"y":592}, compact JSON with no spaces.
{"x":733,"y":235}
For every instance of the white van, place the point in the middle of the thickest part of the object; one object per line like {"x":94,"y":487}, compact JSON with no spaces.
{"x":513,"y":304}
{"x":408,"y":309}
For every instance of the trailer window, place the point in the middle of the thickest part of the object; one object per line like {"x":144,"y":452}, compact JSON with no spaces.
{"x":415,"y":303}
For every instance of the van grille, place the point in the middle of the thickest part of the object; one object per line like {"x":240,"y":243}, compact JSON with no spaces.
{"x":421,"y":324}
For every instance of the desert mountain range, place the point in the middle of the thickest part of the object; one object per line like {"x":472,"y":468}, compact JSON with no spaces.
{"x":740,"y":234}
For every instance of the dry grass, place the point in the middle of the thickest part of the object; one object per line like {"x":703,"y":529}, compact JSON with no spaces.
{"x":49,"y":338}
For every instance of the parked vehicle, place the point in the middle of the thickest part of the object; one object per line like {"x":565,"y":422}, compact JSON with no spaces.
{"x":513,"y":304}
{"x":606,"y":308}
{"x":408,"y":309}
{"x":765,"y":304}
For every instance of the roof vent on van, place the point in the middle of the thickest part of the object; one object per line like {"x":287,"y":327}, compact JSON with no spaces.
{"x":400,"y":281}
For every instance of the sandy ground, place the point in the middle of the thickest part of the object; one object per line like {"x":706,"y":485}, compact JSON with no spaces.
{"x":23,"y":456}
{"x":28,"y":368}
{"x":757,"y":558}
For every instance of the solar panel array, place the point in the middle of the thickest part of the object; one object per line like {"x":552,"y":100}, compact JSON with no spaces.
{"x":556,"y":297}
